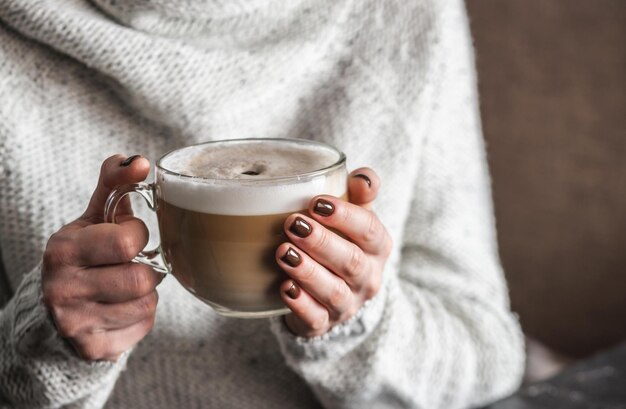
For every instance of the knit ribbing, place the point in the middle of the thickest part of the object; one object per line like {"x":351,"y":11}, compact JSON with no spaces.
{"x":37,"y":367}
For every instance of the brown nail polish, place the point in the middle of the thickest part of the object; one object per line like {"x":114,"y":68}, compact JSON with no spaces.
{"x":292,"y":258}
{"x":129,"y":160}
{"x":365,"y":178}
{"x":323,"y":207}
{"x":293,"y":292}
{"x":300,"y":227}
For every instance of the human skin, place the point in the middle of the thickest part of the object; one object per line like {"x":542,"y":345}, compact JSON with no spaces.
{"x":333,"y":276}
{"x":101,"y":301}
{"x":104,"y":304}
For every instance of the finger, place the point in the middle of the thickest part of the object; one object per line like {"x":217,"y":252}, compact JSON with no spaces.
{"x":125,"y":314}
{"x":114,"y":172}
{"x":363,"y":185}
{"x":361,"y":225}
{"x":108,"y":243}
{"x":309,"y":318}
{"x":328,"y":289}
{"x":119,"y":283}
{"x":81,"y":319}
{"x":330,"y":250}
{"x":109,"y":345}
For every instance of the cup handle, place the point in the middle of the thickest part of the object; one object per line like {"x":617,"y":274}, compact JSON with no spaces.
{"x":152,"y":258}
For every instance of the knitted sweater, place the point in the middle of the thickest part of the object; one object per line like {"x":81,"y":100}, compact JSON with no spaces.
{"x":391,"y":83}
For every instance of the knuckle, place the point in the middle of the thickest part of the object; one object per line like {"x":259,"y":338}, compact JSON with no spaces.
{"x":66,"y":326}
{"x":148,"y":324}
{"x":349,"y":313}
{"x":339,"y":296}
{"x":94,"y":330}
{"x":50,"y":259}
{"x":322,"y":241}
{"x":374,"y":229}
{"x":105,"y":163}
{"x":59,"y":289}
{"x":372,"y":288}
{"x":142,"y":231}
{"x":65,"y":331}
{"x":147,"y":305}
{"x":48,"y":298}
{"x":53,"y":294}
{"x":152,"y":301}
{"x":309,"y":272}
{"x":58,"y":252}
{"x":345,"y":214}
{"x":89,"y":352}
{"x":108,"y":165}
{"x":140,"y":279}
{"x":143,"y":306}
{"x":356,"y":262}
{"x":125,"y":247}
{"x":318,"y":324}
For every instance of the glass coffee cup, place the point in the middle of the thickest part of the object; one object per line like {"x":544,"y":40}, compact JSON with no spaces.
{"x":221,"y":207}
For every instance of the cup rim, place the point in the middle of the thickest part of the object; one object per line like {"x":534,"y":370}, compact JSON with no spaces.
{"x":296,"y":177}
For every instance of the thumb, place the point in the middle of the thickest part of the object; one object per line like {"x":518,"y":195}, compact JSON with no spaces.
{"x":116,"y":170}
{"x":363,"y":185}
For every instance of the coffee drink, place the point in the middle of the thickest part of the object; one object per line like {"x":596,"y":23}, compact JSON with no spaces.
{"x":221,"y":207}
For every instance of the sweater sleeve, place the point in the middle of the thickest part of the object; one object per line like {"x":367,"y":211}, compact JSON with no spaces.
{"x":440,"y":334}
{"x":37,"y":367}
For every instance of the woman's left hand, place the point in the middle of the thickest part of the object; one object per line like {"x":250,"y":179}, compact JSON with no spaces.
{"x":331,"y":277}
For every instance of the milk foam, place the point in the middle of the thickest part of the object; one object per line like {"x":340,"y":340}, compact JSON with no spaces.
{"x":240,"y":179}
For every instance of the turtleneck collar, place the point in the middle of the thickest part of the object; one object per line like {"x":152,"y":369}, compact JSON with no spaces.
{"x":181,"y":18}
{"x":196,"y":74}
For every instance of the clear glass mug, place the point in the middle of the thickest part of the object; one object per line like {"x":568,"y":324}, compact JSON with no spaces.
{"x":219,"y":236}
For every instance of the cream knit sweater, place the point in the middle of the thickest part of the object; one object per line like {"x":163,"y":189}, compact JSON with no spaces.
{"x":391,"y":83}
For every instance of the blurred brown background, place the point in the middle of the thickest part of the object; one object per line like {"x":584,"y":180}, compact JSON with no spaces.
{"x":552,"y":77}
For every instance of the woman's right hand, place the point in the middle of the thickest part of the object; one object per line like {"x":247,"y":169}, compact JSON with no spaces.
{"x":101,"y":302}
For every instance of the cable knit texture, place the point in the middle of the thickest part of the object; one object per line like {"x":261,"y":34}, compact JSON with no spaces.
{"x":391,"y":83}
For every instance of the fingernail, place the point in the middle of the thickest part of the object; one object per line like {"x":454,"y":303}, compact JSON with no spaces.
{"x":129,"y":160}
{"x":300,"y":227}
{"x":292,"y":258}
{"x":323,"y":207}
{"x":293,"y":292}
{"x":365,"y":178}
